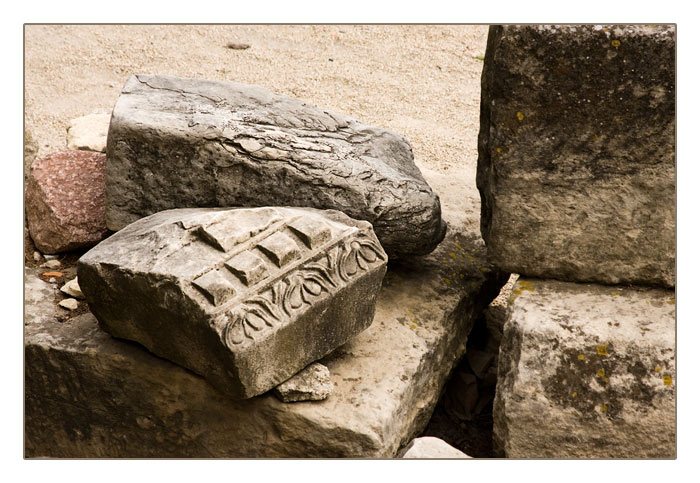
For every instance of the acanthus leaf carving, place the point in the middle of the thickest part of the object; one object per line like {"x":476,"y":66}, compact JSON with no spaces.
{"x":290,"y":294}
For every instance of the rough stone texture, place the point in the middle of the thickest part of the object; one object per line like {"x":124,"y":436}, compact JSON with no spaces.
{"x":88,"y":394}
{"x":245,"y":297}
{"x":587,"y":371}
{"x":310,"y":384}
{"x":65,"y":201}
{"x":577,"y":152}
{"x":177,"y":143}
{"x":38,"y":299}
{"x":429,"y":447}
{"x":89,"y":133}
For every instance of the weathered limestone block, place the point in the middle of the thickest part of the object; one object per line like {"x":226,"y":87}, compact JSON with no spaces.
{"x":429,"y":447}
{"x":89,"y":133}
{"x":587,"y":371}
{"x":182,"y":143}
{"x":91,"y":395}
{"x":577,"y":152}
{"x":65,"y":201}
{"x":310,"y":384}
{"x":245,"y":297}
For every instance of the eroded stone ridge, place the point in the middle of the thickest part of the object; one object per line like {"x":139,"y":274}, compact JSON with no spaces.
{"x":577,"y":152}
{"x":177,"y":143}
{"x":245,"y":297}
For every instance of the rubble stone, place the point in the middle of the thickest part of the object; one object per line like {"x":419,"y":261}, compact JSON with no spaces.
{"x":429,"y":447}
{"x":587,"y":371}
{"x":64,"y":201}
{"x":180,"y":143}
{"x":577,"y":151}
{"x":89,"y":133}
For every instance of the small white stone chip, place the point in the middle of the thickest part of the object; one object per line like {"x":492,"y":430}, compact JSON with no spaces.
{"x":70,"y":304}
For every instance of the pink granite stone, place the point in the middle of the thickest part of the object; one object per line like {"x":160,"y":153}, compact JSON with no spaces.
{"x":65,"y":201}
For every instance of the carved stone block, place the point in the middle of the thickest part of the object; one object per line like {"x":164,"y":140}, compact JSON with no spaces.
{"x":180,"y":143}
{"x":245,"y":297}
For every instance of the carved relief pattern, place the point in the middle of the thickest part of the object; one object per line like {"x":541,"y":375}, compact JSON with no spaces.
{"x":301,"y":288}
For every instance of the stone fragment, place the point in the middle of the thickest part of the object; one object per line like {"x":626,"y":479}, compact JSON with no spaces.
{"x":37,"y":256}
{"x":236,"y":295}
{"x":180,"y":143}
{"x":70,"y":304}
{"x":576,"y":161}
{"x":65,"y":201}
{"x":587,"y":371}
{"x":89,"y":133}
{"x":310,"y":384}
{"x":387,"y":380}
{"x":51,"y":264}
{"x":72,"y":289}
{"x":429,"y":447}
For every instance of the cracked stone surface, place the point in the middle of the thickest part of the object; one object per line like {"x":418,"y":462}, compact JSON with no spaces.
{"x":89,"y":394}
{"x":176,"y":143}
{"x":65,"y":201}
{"x":587,"y":371}
{"x":576,"y":164}
{"x":245,"y":297}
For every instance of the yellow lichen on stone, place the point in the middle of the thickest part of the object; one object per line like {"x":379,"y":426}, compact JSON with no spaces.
{"x":668,"y":381}
{"x":498,"y":150}
{"x":615,"y":43}
{"x":453,"y":255}
{"x":657,"y":369}
{"x":601,"y":373}
{"x":574,"y":394}
{"x":606,"y":380}
{"x":671,"y":302}
{"x":520,"y":116}
{"x":581,"y":357}
{"x":602,"y":350}
{"x":447,"y":280}
{"x":603,"y":408}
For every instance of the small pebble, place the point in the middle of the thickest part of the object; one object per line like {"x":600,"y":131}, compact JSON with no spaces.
{"x":37,"y":256}
{"x":73,"y":289}
{"x":50,"y":257}
{"x":52,"y":280}
{"x":52,"y":264}
{"x":70,"y":304}
{"x":236,"y":46}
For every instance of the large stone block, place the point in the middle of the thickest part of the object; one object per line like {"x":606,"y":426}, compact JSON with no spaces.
{"x":245,"y":297}
{"x":179,"y":143}
{"x":577,"y":152}
{"x":587,"y":371}
{"x":65,"y":201}
{"x":92,"y":395}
